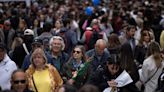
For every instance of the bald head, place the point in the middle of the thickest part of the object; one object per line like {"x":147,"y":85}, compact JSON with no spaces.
{"x":100,"y":46}
{"x":100,"y":42}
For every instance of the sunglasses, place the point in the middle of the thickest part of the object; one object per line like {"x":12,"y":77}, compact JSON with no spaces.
{"x":76,"y":52}
{"x":19,"y":81}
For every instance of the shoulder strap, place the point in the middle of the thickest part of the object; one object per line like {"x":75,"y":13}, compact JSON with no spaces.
{"x":151,"y":76}
{"x":25,"y":48}
{"x":34,"y":84}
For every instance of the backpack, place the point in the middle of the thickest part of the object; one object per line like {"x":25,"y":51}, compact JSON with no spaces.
{"x":94,"y":37}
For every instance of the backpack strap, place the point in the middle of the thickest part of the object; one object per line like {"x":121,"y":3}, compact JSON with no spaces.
{"x":25,"y":48}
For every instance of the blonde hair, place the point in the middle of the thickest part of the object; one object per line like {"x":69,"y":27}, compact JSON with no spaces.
{"x":17,"y":42}
{"x":162,"y":39}
{"x":155,"y":50}
{"x":40,"y":52}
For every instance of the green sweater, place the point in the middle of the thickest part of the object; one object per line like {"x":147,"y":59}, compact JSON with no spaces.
{"x":82,"y":74}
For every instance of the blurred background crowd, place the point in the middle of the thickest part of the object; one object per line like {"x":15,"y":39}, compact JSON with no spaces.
{"x":76,"y":43}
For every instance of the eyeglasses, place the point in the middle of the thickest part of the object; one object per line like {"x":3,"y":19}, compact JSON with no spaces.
{"x":76,"y":52}
{"x":19,"y":81}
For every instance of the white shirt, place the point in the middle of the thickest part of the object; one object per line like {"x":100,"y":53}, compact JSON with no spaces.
{"x":7,"y":66}
{"x":148,"y":70}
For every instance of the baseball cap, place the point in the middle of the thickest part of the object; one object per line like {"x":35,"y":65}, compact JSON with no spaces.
{"x":28,"y":32}
{"x":88,"y":28}
{"x":37,"y":41}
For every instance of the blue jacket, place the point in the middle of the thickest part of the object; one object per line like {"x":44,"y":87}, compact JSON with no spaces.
{"x":95,"y":61}
{"x":63,"y":58}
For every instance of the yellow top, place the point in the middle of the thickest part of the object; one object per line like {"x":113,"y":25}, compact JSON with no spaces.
{"x":42,"y":81}
{"x":55,"y":78}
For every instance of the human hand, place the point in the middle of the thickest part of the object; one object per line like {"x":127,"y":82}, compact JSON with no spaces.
{"x":74,"y":74}
{"x":112,"y":83}
{"x":70,"y":81}
{"x":90,"y":58}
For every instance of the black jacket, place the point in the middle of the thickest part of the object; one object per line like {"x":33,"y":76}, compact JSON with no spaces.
{"x":100,"y":77}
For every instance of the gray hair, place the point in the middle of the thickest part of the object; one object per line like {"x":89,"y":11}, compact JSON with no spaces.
{"x":101,"y":41}
{"x":58,"y":38}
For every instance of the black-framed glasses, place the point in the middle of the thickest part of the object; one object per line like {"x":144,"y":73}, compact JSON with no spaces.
{"x":76,"y":51}
{"x":19,"y":81}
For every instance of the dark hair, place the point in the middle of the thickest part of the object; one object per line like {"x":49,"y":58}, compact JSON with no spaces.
{"x":18,"y":70}
{"x":113,"y":60}
{"x":126,"y":57}
{"x":3,"y":46}
{"x":12,"y":78}
{"x":89,"y":88}
{"x":69,"y":88}
{"x":131,"y":27}
{"x":47,"y":27}
{"x":113,"y":41}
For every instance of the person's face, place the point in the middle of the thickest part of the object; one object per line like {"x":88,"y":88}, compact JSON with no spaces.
{"x":42,"y":17}
{"x":2,"y":54}
{"x":57,"y":24}
{"x":36,"y":22}
{"x":38,"y":60}
{"x":146,"y":37}
{"x":113,"y":69}
{"x":21,"y":25}
{"x":77,"y":53}
{"x":100,"y":49}
{"x":131,"y":32}
{"x":19,"y":82}
{"x":56,"y":45}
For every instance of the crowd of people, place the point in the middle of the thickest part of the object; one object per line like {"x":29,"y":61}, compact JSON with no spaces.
{"x":82,"y":46}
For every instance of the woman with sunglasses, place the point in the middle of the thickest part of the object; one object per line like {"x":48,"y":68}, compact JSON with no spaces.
{"x":75,"y":62}
{"x":19,"y":81}
{"x":42,"y":77}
